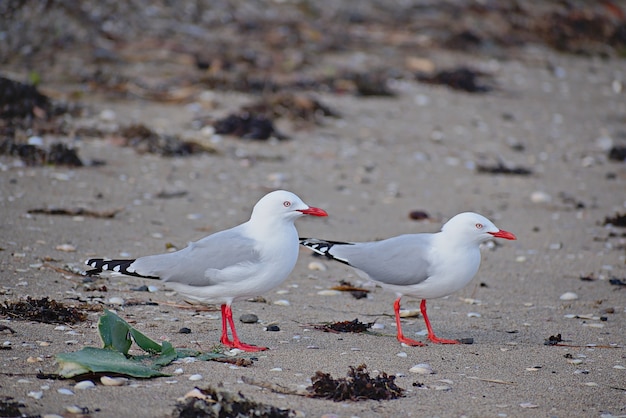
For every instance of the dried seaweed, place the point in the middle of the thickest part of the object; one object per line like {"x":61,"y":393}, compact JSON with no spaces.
{"x":354,"y":326}
{"x":42,"y":310}
{"x":617,"y":153}
{"x":357,"y":386}
{"x":462,"y":78}
{"x":553,"y":340}
{"x":75,"y":212}
{"x":33,"y":155}
{"x":503,"y":169}
{"x":211,"y":403}
{"x":618,"y":220}
{"x":145,"y":140}
{"x":11,"y":408}
{"x":247,"y":125}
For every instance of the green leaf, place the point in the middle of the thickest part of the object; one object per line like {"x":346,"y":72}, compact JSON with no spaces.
{"x":100,"y":360}
{"x":145,"y":343}
{"x":114,"y":332}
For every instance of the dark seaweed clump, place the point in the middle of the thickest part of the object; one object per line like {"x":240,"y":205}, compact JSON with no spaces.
{"x":357,"y":386}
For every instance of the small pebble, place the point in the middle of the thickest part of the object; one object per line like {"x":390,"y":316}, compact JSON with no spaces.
{"x":401,"y":354}
{"x":184,"y":330}
{"x":574,"y":361}
{"x":272,"y":328}
{"x":85,"y":384}
{"x":378,"y":326}
{"x":107,"y":115}
{"x":75,"y":409}
{"x":195,"y":377}
{"x":317,"y":266}
{"x":422,"y":368}
{"x":35,"y":395}
{"x":116,"y":301}
{"x":64,"y":391}
{"x":409,"y":313}
{"x":153,"y":288}
{"x":249,"y":318}
{"x":569,"y":296}
{"x":113,"y":381}
{"x":179,"y":371}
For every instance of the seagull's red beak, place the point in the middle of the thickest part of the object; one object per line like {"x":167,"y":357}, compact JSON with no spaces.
{"x":503,"y":234}
{"x":313,"y":212}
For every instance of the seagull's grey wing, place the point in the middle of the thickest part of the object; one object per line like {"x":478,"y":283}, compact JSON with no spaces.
{"x":202,"y":263}
{"x":401,"y":260}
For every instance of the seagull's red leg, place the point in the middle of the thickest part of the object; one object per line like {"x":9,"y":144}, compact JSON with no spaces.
{"x":431,"y":335}
{"x":225,"y":340}
{"x":401,"y":337}
{"x":235,"y":343}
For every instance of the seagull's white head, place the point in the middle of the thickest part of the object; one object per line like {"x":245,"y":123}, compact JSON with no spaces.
{"x":282,"y":204}
{"x":472,"y":227}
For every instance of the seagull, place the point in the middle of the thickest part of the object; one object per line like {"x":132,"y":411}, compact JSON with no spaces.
{"x":424,"y":266}
{"x":233,"y":264}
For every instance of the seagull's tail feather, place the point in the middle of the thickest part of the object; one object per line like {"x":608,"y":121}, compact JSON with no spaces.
{"x":120,"y":266}
{"x":324,"y":247}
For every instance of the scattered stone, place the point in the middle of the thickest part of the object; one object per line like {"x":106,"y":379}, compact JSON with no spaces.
{"x":568,"y":296}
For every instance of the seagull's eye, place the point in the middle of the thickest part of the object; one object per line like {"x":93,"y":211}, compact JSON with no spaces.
{"x":479,"y":226}
{"x":286,"y":203}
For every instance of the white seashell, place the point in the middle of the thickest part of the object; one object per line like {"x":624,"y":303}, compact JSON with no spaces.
{"x":195,"y":377}
{"x":178,"y":371}
{"x":528,"y":405}
{"x":378,"y":326}
{"x":409,"y":313}
{"x":591,"y":384}
{"x":442,"y":387}
{"x":276,"y":369}
{"x":68,"y":248}
{"x":473,"y":315}
{"x":108,"y":115}
{"x":60,"y":328}
{"x":195,"y":393}
{"x":594,"y":325}
{"x":282,"y":302}
{"x":113,"y":381}
{"x":85,"y":384}
{"x":540,"y":197}
{"x":153,"y":288}
{"x":619,"y":367}
{"x":422,"y":368}
{"x":75,"y":409}
{"x":568,"y":296}
{"x":64,"y":391}
{"x":574,"y":361}
{"x":35,"y":395}
{"x":116,"y":301}
{"x":317,"y":266}
{"x":329,"y":292}
{"x":401,"y":354}
{"x":282,"y":292}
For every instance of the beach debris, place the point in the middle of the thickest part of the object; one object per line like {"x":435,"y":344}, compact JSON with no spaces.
{"x":6,"y":328}
{"x":301,"y":108}
{"x":619,"y":220}
{"x":117,"y":337}
{"x":501,"y":168}
{"x":356,"y":292}
{"x":145,"y":140}
{"x":617,"y":153}
{"x":213,"y":403}
{"x":418,"y":215}
{"x":357,"y":386}
{"x":247,"y":125}
{"x":617,"y":282}
{"x":10,"y":408}
{"x":354,"y":326}
{"x":553,"y":340}
{"x":42,"y":310}
{"x":105,"y":214}
{"x":462,"y":78}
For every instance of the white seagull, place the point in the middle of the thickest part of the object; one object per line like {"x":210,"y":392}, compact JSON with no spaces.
{"x":425,"y":266}
{"x":237,"y":263}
